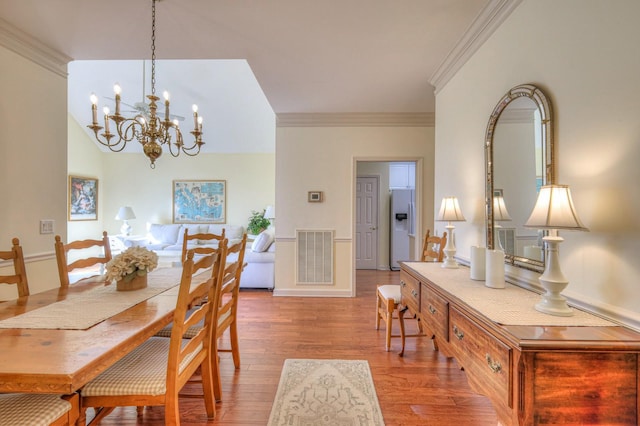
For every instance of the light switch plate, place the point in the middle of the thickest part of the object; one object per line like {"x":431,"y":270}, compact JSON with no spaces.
{"x":46,"y":226}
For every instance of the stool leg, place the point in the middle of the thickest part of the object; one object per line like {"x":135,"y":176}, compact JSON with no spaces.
{"x":378,"y":306}
{"x":402,"y":334}
{"x":390,"y":309}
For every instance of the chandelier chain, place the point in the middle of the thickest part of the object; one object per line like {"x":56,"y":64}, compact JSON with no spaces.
{"x":153,"y":48}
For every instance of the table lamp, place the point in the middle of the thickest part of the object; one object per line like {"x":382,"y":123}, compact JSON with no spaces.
{"x":125,"y":213}
{"x":270,"y":213}
{"x":450,"y":212}
{"x":554,"y":210}
{"x":500,"y":214}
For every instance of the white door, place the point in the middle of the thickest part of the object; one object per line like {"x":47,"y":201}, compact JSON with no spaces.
{"x":366,"y":223}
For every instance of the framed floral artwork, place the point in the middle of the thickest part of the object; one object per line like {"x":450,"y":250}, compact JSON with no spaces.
{"x":83,"y":198}
{"x":199,"y":201}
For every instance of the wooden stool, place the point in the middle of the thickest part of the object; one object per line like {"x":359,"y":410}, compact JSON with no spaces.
{"x":387,"y":298}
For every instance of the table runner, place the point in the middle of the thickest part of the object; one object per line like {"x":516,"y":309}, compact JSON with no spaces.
{"x":84,"y":310}
{"x":511,"y":305}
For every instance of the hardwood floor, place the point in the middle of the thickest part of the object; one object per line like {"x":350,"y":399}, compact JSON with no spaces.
{"x":421,"y":388}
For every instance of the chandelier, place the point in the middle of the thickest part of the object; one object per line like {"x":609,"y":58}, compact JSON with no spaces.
{"x":147,"y":128}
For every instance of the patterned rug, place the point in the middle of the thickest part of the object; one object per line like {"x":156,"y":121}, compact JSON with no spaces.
{"x":316,"y":392}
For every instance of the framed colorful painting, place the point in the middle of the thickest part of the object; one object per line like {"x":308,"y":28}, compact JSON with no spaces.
{"x":83,"y":198}
{"x":199,"y":201}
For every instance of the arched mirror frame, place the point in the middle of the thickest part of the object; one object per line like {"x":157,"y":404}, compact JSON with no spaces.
{"x":544,"y":106}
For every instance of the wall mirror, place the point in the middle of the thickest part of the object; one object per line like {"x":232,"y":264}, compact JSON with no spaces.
{"x":519,"y":159}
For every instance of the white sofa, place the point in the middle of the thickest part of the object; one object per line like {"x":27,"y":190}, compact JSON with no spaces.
{"x":167,"y":239}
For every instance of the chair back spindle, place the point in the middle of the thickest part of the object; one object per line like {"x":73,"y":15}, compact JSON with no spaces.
{"x":68,"y":256}
{"x":19,"y":278}
{"x":433,"y":248}
{"x":199,"y":238}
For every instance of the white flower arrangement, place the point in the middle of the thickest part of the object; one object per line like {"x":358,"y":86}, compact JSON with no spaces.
{"x":134,"y":261}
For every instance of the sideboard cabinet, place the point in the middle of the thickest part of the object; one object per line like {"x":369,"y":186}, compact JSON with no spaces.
{"x":536,"y":369}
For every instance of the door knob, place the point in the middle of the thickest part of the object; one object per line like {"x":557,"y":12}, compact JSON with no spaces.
{"x":373,"y":228}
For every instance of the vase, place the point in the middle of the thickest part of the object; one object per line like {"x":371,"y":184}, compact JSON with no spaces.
{"x":494,"y":269}
{"x":138,"y":282}
{"x":478,"y":263}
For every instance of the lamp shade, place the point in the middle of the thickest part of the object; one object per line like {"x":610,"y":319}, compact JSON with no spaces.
{"x":554,"y":210}
{"x":450,"y":210}
{"x":125,"y":213}
{"x":270,"y":212}
{"x":500,"y":212}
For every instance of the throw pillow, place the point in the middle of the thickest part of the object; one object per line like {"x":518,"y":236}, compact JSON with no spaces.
{"x":262,"y":241}
{"x":165,"y":234}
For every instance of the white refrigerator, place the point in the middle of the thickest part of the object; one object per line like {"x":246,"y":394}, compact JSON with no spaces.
{"x":402,"y":225}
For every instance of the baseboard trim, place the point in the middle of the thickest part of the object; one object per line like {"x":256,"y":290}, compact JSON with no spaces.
{"x":312,"y":292}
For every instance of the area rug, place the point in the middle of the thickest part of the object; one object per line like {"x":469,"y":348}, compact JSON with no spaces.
{"x":316,"y":392}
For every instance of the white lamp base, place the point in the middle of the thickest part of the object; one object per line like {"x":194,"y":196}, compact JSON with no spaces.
{"x":553,"y":281}
{"x":126,"y":228}
{"x":450,"y":250}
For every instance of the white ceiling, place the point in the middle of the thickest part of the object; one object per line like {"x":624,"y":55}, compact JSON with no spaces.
{"x":237,"y":117}
{"x":330,"y":56}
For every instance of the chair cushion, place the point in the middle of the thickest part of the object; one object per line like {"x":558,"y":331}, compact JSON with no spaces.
{"x":18,"y":409}
{"x":141,"y":372}
{"x":390,"y":291}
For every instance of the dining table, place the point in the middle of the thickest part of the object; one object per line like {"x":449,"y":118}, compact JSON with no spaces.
{"x":58,"y":340}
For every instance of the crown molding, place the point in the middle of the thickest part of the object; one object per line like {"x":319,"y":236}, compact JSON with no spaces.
{"x":426,"y":119}
{"x":31,"y":48}
{"x":482,"y":27}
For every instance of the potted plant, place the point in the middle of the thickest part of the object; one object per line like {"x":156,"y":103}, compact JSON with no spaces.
{"x":130,"y":268}
{"x":257,"y":222}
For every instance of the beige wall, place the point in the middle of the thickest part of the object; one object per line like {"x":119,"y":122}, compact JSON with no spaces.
{"x":127,"y":179}
{"x":85,"y":159}
{"x":324,"y":159}
{"x":33,"y":164}
{"x":581,"y":54}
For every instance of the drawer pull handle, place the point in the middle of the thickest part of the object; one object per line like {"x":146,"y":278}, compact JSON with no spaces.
{"x":402,"y":283}
{"x":459,"y":334}
{"x":432,"y":310}
{"x":414,"y":293}
{"x":494,"y":366}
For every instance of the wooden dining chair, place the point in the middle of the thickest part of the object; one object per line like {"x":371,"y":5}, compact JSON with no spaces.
{"x":224,"y":313}
{"x":17,"y":409}
{"x":193,"y":242}
{"x":388,"y":296}
{"x":432,"y":251}
{"x":82,"y":254}
{"x":19,"y":278}
{"x":226,"y":310}
{"x":433,"y":248}
{"x":154,"y":373}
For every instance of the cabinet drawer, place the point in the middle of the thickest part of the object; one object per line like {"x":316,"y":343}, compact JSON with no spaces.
{"x":410,"y":290}
{"x":486,"y":359}
{"x":435,"y":313}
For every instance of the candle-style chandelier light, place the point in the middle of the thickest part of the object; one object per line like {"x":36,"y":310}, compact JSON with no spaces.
{"x":150,"y":130}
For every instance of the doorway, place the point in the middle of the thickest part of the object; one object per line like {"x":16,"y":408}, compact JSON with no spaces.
{"x":372,"y":246}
